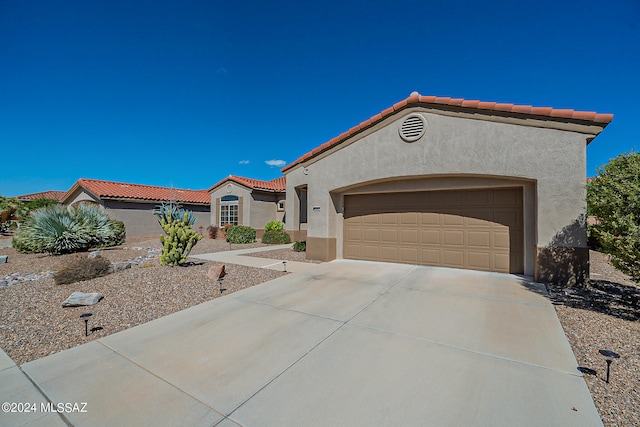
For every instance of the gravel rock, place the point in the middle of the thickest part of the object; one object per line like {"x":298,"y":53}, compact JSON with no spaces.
{"x":605,"y":315}
{"x":33,"y":324}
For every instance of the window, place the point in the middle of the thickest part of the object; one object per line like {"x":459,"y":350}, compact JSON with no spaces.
{"x":281,"y":206}
{"x":229,"y":210}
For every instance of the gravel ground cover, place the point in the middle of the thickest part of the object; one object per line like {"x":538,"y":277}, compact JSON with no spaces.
{"x":605,"y":315}
{"x":33,"y":323}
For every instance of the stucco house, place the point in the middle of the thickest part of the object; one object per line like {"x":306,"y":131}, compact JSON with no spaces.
{"x":454,"y":183}
{"x":238,"y":200}
{"x":133,"y":204}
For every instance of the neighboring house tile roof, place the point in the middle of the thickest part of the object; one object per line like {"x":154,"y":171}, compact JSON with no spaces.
{"x":459,"y":104}
{"x":121,"y":190}
{"x":278,"y":185}
{"x":51,"y":195}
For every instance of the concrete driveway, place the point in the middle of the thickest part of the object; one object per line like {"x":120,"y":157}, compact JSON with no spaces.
{"x":349,"y":343}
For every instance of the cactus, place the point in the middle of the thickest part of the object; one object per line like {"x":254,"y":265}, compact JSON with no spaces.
{"x":178,"y":242}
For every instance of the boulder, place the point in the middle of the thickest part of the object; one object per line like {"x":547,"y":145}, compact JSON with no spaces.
{"x":77,"y":299}
{"x":216,"y":272}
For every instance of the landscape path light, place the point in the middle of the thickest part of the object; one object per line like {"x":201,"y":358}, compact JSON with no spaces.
{"x":609,"y":356}
{"x":85,"y":317}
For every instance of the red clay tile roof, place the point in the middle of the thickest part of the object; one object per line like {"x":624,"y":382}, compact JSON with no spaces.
{"x":277,"y":185}
{"x":121,"y":190}
{"x":415,"y":99}
{"x":51,"y":195}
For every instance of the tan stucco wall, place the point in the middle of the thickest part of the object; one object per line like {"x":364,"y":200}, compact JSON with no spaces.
{"x":139,"y":220}
{"x":137,"y":216}
{"x":550,"y":164}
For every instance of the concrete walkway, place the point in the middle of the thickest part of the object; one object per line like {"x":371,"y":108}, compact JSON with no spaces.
{"x":239,"y":257}
{"x":346,"y":343}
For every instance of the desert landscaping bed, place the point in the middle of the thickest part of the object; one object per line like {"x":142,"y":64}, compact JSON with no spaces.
{"x":33,"y":324}
{"x":284,"y":255}
{"x":605,"y":315}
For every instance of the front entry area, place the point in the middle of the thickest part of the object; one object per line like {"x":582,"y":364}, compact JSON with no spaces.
{"x":479,"y":229}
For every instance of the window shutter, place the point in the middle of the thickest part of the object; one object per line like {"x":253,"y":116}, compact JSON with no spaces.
{"x":217,"y":217}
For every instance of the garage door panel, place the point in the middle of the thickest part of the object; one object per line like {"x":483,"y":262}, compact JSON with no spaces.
{"x":371,"y":252}
{"x":389,"y":219}
{"x":389,"y":253}
{"x":479,"y":218}
{"x":480,"y":239}
{"x":409,"y":236}
{"x":353,"y":233}
{"x":482,"y":198}
{"x":389,"y":235}
{"x":501,"y":262}
{"x":430,"y":218}
{"x":370,"y":220}
{"x":453,"y":258}
{"x":474,"y":229}
{"x":453,"y":237}
{"x":431,"y":237}
{"x":370,"y":234}
{"x":409,"y":255}
{"x":501,"y":239}
{"x":479,"y":260}
{"x":507,"y":197}
{"x":454,"y":220}
{"x":409,"y":219}
{"x":451,"y":198}
{"x":508,"y":217}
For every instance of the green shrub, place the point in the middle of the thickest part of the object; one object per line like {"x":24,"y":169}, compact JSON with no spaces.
{"x":178,"y":242}
{"x":276,"y":238}
{"x":300,"y":246}
{"x":241,"y":234}
{"x":80,"y":267}
{"x":613,"y":197}
{"x":60,"y":229}
{"x":274,"y":226}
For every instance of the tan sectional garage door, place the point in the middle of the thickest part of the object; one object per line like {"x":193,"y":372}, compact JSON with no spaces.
{"x":471,"y":229}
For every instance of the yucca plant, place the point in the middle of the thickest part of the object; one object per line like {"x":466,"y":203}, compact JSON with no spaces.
{"x":62,"y":229}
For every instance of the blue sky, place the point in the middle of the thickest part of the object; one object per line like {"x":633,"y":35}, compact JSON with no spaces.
{"x":185,"y":93}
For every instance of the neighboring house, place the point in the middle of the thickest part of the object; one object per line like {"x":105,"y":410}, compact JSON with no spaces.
{"x":244,"y":201}
{"x":50,"y":195}
{"x":133,"y":204}
{"x":454,"y":183}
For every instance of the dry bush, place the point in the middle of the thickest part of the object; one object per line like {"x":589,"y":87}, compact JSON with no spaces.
{"x":79,"y":267}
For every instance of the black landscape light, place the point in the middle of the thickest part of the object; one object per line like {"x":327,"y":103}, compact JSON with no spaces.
{"x":220,"y":284}
{"x":85,"y":317}
{"x":609,"y":356}
{"x":285,"y":266}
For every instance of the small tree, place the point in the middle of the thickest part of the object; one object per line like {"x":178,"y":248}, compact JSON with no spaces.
{"x":613,"y":197}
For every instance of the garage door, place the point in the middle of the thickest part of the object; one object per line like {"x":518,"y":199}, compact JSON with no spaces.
{"x":471,"y":229}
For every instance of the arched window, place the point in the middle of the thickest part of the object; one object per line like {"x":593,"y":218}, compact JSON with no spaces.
{"x":229,"y":210}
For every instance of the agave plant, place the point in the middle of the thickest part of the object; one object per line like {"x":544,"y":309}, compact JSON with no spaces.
{"x":175,"y":212}
{"x":61,"y":229}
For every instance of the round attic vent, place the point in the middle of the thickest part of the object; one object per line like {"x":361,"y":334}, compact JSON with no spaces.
{"x":412,"y":127}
